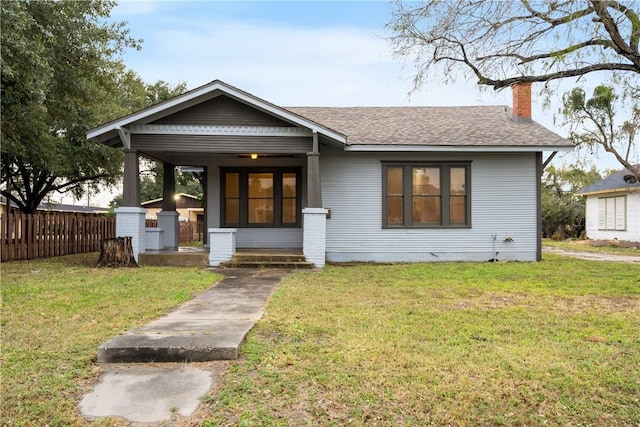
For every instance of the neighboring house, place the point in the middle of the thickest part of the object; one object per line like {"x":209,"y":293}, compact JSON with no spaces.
{"x":190,"y":215}
{"x":613,"y":207}
{"x":54,"y":207}
{"x":188,"y":206}
{"x":381,"y":184}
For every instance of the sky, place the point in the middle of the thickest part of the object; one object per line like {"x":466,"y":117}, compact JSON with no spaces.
{"x":291,"y":53}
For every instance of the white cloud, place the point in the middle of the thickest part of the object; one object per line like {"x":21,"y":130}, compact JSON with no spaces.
{"x":291,"y":65}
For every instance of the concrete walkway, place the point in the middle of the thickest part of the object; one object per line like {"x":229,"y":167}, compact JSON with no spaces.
{"x":212,"y":326}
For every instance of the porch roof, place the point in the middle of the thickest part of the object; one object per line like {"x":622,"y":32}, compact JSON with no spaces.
{"x":116,"y":132}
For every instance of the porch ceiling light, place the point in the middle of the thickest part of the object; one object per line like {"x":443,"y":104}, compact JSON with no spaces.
{"x":254,"y":156}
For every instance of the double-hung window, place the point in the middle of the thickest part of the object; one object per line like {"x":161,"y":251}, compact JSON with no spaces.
{"x":612,"y":213}
{"x":423,"y":195}
{"x":260,"y":197}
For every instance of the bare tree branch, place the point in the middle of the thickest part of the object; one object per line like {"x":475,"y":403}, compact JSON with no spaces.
{"x":510,"y":42}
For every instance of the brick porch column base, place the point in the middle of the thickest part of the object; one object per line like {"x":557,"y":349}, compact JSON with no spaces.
{"x":314,"y":236}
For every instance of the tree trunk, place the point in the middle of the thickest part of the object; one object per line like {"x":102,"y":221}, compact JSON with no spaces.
{"x":116,"y":252}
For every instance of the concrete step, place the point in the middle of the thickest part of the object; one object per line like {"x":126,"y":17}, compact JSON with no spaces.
{"x":267,"y":259}
{"x":286,"y":265}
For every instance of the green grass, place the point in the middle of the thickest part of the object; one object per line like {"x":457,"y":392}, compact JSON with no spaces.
{"x":55,"y":314}
{"x":576,"y":246}
{"x":549,"y":343}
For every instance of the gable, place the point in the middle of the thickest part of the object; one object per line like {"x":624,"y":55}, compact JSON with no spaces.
{"x":222,"y":111}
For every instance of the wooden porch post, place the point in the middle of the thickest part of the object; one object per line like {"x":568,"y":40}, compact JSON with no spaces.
{"x":130,"y":217}
{"x":168,"y":216}
{"x":131,"y":181}
{"x":314,"y":190}
{"x":169,"y":188}
{"x":205,"y":203}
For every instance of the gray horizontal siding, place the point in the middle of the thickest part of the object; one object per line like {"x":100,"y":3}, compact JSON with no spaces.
{"x":281,"y":238}
{"x":221,"y":111}
{"x":503,"y":203}
{"x":220,"y":144}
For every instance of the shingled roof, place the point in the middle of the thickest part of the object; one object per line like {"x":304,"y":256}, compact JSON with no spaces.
{"x":615,"y":182}
{"x":433,"y":126}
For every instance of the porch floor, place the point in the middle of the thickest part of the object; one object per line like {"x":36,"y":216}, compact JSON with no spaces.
{"x":193,"y":256}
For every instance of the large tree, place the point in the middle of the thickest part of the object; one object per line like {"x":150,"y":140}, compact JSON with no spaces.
{"x":62,"y":74}
{"x":509,"y":42}
{"x":592,"y":121}
{"x":563,"y":213}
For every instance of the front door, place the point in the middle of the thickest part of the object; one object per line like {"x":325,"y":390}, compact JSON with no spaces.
{"x":261,"y":197}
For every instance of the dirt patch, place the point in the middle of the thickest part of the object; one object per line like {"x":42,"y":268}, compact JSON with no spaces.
{"x":593,"y":256}
{"x":615,"y":242}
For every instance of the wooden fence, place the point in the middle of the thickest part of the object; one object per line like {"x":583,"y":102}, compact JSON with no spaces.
{"x":188,"y":231}
{"x":41,"y":235}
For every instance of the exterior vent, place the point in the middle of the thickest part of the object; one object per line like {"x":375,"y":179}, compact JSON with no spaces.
{"x":630,"y":179}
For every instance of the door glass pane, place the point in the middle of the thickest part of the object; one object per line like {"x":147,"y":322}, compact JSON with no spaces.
{"x":260,"y":211}
{"x":232,"y":211}
{"x":289,"y":185}
{"x":289,"y":211}
{"x":458,"y":210}
{"x":232,"y":198}
{"x":426,"y":181}
{"x":394,"y":181}
{"x":394,"y":210}
{"x":426,"y":210}
{"x":232,"y":183}
{"x":458,"y":181}
{"x":260,"y":185}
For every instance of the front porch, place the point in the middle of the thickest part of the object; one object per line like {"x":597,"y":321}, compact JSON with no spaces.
{"x":261,"y":167}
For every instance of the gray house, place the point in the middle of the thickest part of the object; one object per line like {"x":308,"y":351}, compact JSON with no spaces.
{"x":613,"y":207}
{"x":381,"y":184}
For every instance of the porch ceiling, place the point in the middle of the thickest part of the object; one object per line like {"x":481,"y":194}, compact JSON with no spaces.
{"x":203,"y":159}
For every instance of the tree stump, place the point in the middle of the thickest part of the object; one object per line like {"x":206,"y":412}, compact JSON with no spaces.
{"x":116,"y":252}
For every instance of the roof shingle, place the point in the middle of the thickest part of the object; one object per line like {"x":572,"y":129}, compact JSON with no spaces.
{"x":436,"y":126}
{"x":611,"y":183}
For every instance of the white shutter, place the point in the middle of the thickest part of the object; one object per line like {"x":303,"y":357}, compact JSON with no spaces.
{"x":602,"y":214}
{"x":621,"y":213}
{"x":611,"y":213}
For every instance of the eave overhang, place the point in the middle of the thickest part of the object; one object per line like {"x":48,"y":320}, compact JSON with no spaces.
{"x":405,"y":148}
{"x":610,"y":191}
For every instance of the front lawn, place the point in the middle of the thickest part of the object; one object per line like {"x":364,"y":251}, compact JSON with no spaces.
{"x":55,"y":314}
{"x":549,"y":343}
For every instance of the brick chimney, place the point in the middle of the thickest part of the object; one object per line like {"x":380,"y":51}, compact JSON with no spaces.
{"x":521,"y":102}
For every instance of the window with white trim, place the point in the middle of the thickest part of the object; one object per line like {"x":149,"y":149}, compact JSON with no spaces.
{"x":612,"y":213}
